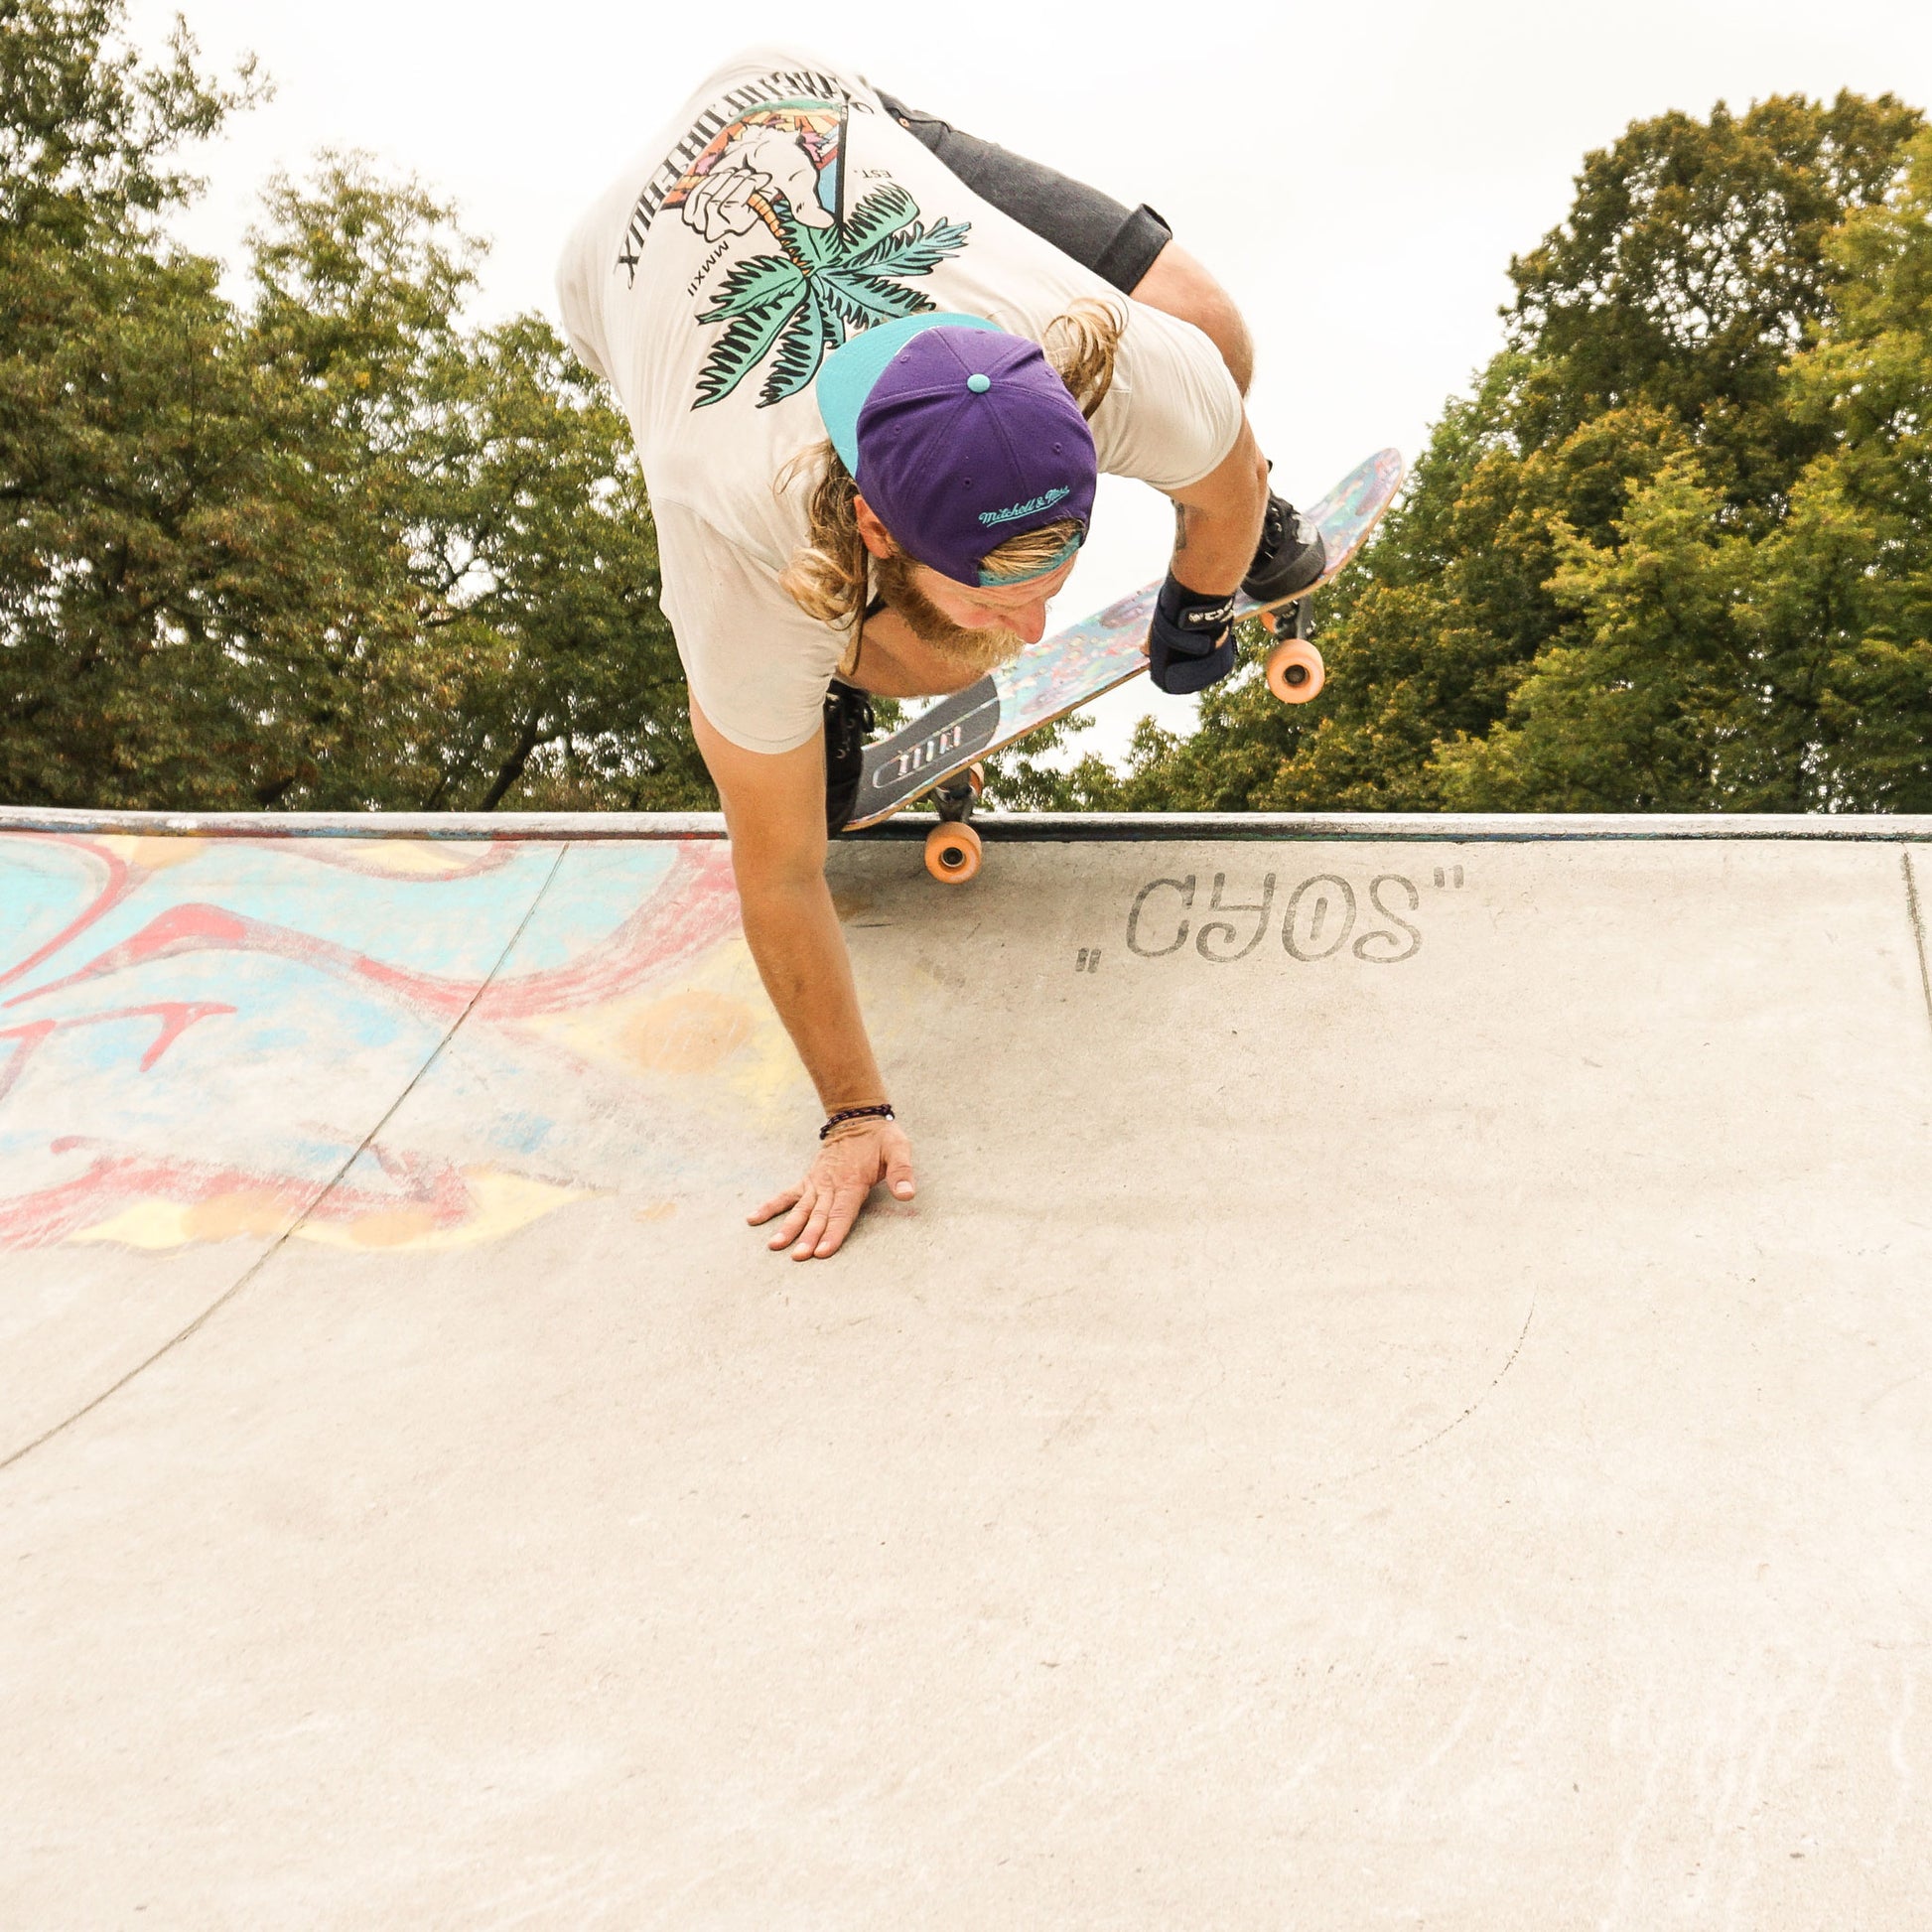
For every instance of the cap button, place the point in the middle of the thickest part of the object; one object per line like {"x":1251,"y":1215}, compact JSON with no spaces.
{"x":979,"y":384}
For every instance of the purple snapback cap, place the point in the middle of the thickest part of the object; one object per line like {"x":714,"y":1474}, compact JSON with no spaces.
{"x":959,"y":436}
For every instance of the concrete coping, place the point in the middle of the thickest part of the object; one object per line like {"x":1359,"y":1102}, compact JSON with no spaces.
{"x":1046,"y":827}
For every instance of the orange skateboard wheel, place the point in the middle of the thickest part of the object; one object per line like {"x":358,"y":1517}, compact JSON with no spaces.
{"x":1296,"y":673}
{"x":953,"y":853}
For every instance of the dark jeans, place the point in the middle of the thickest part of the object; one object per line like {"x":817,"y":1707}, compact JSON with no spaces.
{"x":1118,"y":243}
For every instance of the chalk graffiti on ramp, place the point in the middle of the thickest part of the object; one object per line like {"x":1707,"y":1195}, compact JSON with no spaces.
{"x":199,"y":1036}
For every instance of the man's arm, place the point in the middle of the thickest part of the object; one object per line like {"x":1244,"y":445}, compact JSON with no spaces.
{"x":775,"y":810}
{"x":1217,"y":521}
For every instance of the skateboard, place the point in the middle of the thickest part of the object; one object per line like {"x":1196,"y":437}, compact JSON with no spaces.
{"x":937,"y":753}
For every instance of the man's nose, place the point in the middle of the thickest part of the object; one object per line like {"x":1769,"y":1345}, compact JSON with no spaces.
{"x":1030,"y":622}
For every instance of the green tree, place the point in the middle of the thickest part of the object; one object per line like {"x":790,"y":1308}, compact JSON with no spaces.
{"x":1570,"y":609}
{"x":326,"y":548}
{"x":115,"y":397}
{"x":1752,"y":664}
{"x":526,"y":659}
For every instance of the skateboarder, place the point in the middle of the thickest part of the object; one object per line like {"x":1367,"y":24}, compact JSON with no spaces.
{"x":874,"y":366}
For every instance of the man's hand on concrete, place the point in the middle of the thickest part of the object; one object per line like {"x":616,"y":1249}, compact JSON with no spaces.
{"x":851,"y":1160}
{"x":775,"y":806}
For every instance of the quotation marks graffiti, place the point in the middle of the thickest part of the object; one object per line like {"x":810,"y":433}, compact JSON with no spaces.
{"x":1320,"y":917}
{"x":1088,"y":961}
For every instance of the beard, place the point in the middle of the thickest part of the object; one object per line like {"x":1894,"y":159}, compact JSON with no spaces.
{"x":980,"y":650}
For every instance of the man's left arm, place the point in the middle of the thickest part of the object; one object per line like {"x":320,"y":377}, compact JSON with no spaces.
{"x":1217,"y":521}
{"x":1172,"y":409}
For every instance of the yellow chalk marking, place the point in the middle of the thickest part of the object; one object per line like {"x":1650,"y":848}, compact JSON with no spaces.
{"x":410,"y":858}
{"x":500,"y":1204}
{"x":153,"y":854}
{"x":714,"y":1024}
{"x":145,"y":1224}
{"x":688,"y":1033}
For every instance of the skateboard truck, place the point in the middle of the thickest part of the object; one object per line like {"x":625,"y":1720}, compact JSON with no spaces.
{"x":952,"y":846}
{"x":1294,"y":670}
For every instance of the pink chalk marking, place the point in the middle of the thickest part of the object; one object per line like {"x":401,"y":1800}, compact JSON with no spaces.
{"x":115,"y":1181}
{"x":119,"y":882}
{"x":694,"y":906}
{"x":27,"y":1039}
{"x":193,"y":929}
{"x":176,"y":1017}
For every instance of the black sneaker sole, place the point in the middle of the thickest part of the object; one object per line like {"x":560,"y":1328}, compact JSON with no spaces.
{"x":1309,"y":569}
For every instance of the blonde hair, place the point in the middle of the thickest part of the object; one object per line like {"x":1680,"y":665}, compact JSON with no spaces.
{"x":829,"y":576}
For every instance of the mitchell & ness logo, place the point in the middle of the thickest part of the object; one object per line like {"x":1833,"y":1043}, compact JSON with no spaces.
{"x":1045,"y":501}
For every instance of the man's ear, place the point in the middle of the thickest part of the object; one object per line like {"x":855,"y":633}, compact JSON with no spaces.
{"x":873,"y":533}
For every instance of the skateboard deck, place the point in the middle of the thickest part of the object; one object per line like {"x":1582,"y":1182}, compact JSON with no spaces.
{"x":1076,"y":665}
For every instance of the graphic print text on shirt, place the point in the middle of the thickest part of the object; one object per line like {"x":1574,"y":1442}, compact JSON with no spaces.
{"x":776,"y":165}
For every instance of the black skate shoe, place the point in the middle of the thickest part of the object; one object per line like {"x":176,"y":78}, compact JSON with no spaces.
{"x":848,"y":718}
{"x":1291,"y":555}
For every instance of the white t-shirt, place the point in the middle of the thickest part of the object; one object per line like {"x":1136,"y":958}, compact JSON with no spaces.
{"x":685,"y":287}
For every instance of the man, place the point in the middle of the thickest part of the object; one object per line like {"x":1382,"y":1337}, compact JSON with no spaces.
{"x":799,"y":257}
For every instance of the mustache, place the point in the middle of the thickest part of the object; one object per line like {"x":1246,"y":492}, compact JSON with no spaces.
{"x":982,"y":650}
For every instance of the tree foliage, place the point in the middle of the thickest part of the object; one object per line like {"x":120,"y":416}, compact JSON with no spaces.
{"x":327,"y":544}
{"x":323,"y":547}
{"x":1672,"y":553}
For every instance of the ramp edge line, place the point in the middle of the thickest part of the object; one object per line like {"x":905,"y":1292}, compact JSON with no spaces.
{"x":1046,"y":827}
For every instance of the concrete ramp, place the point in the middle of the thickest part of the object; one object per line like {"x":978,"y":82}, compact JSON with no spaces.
{"x":1403,"y":1399}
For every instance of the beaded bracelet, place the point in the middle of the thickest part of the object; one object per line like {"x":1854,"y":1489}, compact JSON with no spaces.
{"x":884,"y":1111}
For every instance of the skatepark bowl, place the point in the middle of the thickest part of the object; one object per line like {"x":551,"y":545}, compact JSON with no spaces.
{"x":1403,"y":1399}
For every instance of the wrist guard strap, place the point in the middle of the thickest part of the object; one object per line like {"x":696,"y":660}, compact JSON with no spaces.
{"x":1196,"y":613}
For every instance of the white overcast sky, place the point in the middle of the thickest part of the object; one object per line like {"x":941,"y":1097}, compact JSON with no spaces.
{"x":1357,"y":176}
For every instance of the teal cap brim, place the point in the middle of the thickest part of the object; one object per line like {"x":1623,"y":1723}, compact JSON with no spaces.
{"x":1066,"y":550}
{"x":846,"y":376}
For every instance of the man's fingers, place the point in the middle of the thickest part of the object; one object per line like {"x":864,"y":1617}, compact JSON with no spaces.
{"x":846,"y":1204}
{"x":807,"y":1243}
{"x":820,"y":1211}
{"x":789,"y":1227}
{"x":776,"y":1206}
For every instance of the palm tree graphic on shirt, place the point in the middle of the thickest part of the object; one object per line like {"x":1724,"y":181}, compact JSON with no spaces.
{"x":799,"y":306}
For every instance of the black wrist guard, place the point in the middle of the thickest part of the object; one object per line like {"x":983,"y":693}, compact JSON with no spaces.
{"x":1191,"y":641}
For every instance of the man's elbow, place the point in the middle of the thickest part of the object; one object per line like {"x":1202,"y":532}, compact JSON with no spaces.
{"x":769,"y":860}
